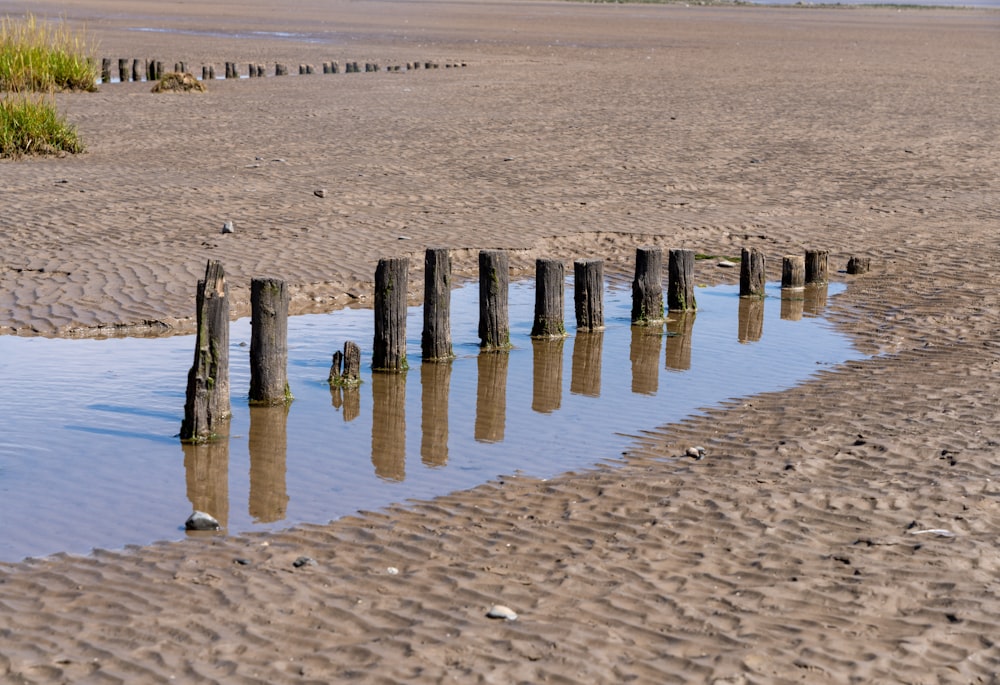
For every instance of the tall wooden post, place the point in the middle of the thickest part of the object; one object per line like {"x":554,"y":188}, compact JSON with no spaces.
{"x":647,"y":287}
{"x":550,"y":299}
{"x":207,"y":403}
{"x":269,"y":342}
{"x":793,"y":271}
{"x":494,"y":283}
{"x":588,"y":294}
{"x":680,"y":281}
{"x":752,"y":273}
{"x":435,"y":340}
{"x":817,"y":262}
{"x":391,"y":278}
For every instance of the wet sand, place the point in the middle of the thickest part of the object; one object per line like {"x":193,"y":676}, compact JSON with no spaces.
{"x":801,"y":549}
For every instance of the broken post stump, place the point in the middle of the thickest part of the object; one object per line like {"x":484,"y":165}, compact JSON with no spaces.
{"x":494,"y":283}
{"x":550,"y":299}
{"x":793,"y":271}
{"x":123,"y":70}
{"x":269,"y":342}
{"x":752,"y":272}
{"x":647,"y":287}
{"x":588,"y":294}
{"x":858,"y":265}
{"x":817,"y":262}
{"x":207,"y":402}
{"x":435,"y":339}
{"x":345,"y":371}
{"x":136,"y":70}
{"x":106,"y":70}
{"x":390,"y":314}
{"x":680,"y":281}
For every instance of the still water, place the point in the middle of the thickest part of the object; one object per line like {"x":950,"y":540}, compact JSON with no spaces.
{"x":89,"y":456}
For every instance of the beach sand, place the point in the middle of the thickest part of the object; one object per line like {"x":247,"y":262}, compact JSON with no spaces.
{"x":842,"y":531}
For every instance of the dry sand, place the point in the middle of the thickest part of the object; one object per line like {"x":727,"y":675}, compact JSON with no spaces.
{"x":794,"y":552}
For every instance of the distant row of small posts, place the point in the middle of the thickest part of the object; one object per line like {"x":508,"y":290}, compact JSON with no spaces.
{"x":152,"y":70}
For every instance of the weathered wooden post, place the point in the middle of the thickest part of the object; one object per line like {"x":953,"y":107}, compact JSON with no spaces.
{"x":816,"y":266}
{"x":644,"y":353}
{"x":106,"y":70}
{"x":588,"y":294}
{"x":494,"y":283}
{"x":547,"y":374}
{"x":647,"y":287}
{"x":550,"y":299}
{"x":793,"y":272}
{"x":159,"y":70}
{"x":435,"y":339}
{"x":679,"y":329}
{"x":136,"y":70}
{"x":204,"y":72}
{"x":207,"y":403}
{"x":390,"y":314}
{"x":586,"y":372}
{"x":261,"y":69}
{"x":150,"y":70}
{"x":752,"y":273}
{"x":345,"y":370}
{"x":267,"y":443}
{"x":269,"y":342}
{"x":435,"y":386}
{"x":491,"y":397}
{"x":858,"y":265}
{"x":389,"y":425}
{"x":280,"y":69}
{"x":252,"y":70}
{"x":680,"y":281}
{"x":751,"y":319}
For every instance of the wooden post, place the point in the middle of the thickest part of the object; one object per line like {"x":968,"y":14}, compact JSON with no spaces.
{"x":547,"y":374}
{"x":389,"y":425}
{"x":647,"y":287}
{"x":586,"y":372}
{"x":679,"y":329}
{"x":390,"y":314}
{"x":752,"y":273}
{"x":280,"y":69}
{"x":858,"y":265}
{"x":269,"y":342}
{"x":680,"y":281}
{"x":816,"y":266}
{"x":345,"y":370}
{"x":751,"y":319}
{"x":435,"y":386}
{"x":644,"y":353}
{"x":550,"y":299}
{"x":252,"y":70}
{"x":267,"y":442}
{"x":491,"y":397}
{"x":106,"y":70}
{"x":159,"y":70}
{"x":150,"y":70}
{"x":793,"y":271}
{"x":207,"y":402}
{"x":204,"y":72}
{"x":588,"y":294}
{"x":494,"y":282}
{"x":136,"y":70}
{"x":123,"y":70}
{"x":260,"y":70}
{"x":435,"y":339}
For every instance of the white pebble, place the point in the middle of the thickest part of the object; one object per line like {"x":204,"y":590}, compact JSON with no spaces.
{"x":500,"y":611}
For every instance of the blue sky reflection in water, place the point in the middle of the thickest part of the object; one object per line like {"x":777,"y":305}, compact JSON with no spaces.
{"x":90,"y":457}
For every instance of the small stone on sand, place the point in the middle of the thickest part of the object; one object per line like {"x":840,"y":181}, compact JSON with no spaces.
{"x":199,"y":520}
{"x":500,"y":611}
{"x":228,"y":227}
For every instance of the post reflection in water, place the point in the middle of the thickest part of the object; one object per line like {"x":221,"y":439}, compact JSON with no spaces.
{"x":268,"y":446}
{"x":751,"y":319}
{"x":491,"y":396}
{"x":644,"y":353}
{"x":815,"y":299}
{"x":547,"y":375}
{"x":435,"y":386}
{"x":206,"y":470}
{"x":347,"y":399}
{"x":792,"y":303}
{"x":389,"y":425}
{"x":679,"y":329}
{"x":586,"y":373}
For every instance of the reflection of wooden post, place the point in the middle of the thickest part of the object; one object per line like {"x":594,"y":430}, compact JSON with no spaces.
{"x":647,"y":287}
{"x":268,"y":446}
{"x":588,"y":294}
{"x":751,"y":319}
{"x":491,"y":397}
{"x":858,"y":265}
{"x":550,"y":299}
{"x":752,"y":273}
{"x":435,"y":341}
{"x":680,"y":281}
{"x":390,"y":314}
{"x":269,"y":342}
{"x":815,"y":299}
{"x":389,"y":425}
{"x":817,"y":262}
{"x":206,"y":472}
{"x":435,"y":385}
{"x":546,"y":395}
{"x":347,"y":398}
{"x":792,"y":304}
{"x":644,"y":353}
{"x":207,"y":403}
{"x":494,"y":282}
{"x":679,"y":329}
{"x":793,"y":271}
{"x":586,"y":376}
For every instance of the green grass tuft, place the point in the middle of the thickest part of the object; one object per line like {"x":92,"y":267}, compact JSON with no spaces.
{"x":41,"y":56}
{"x":30,"y":125}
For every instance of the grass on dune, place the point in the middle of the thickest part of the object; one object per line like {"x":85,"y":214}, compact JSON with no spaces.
{"x":29,"y":124}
